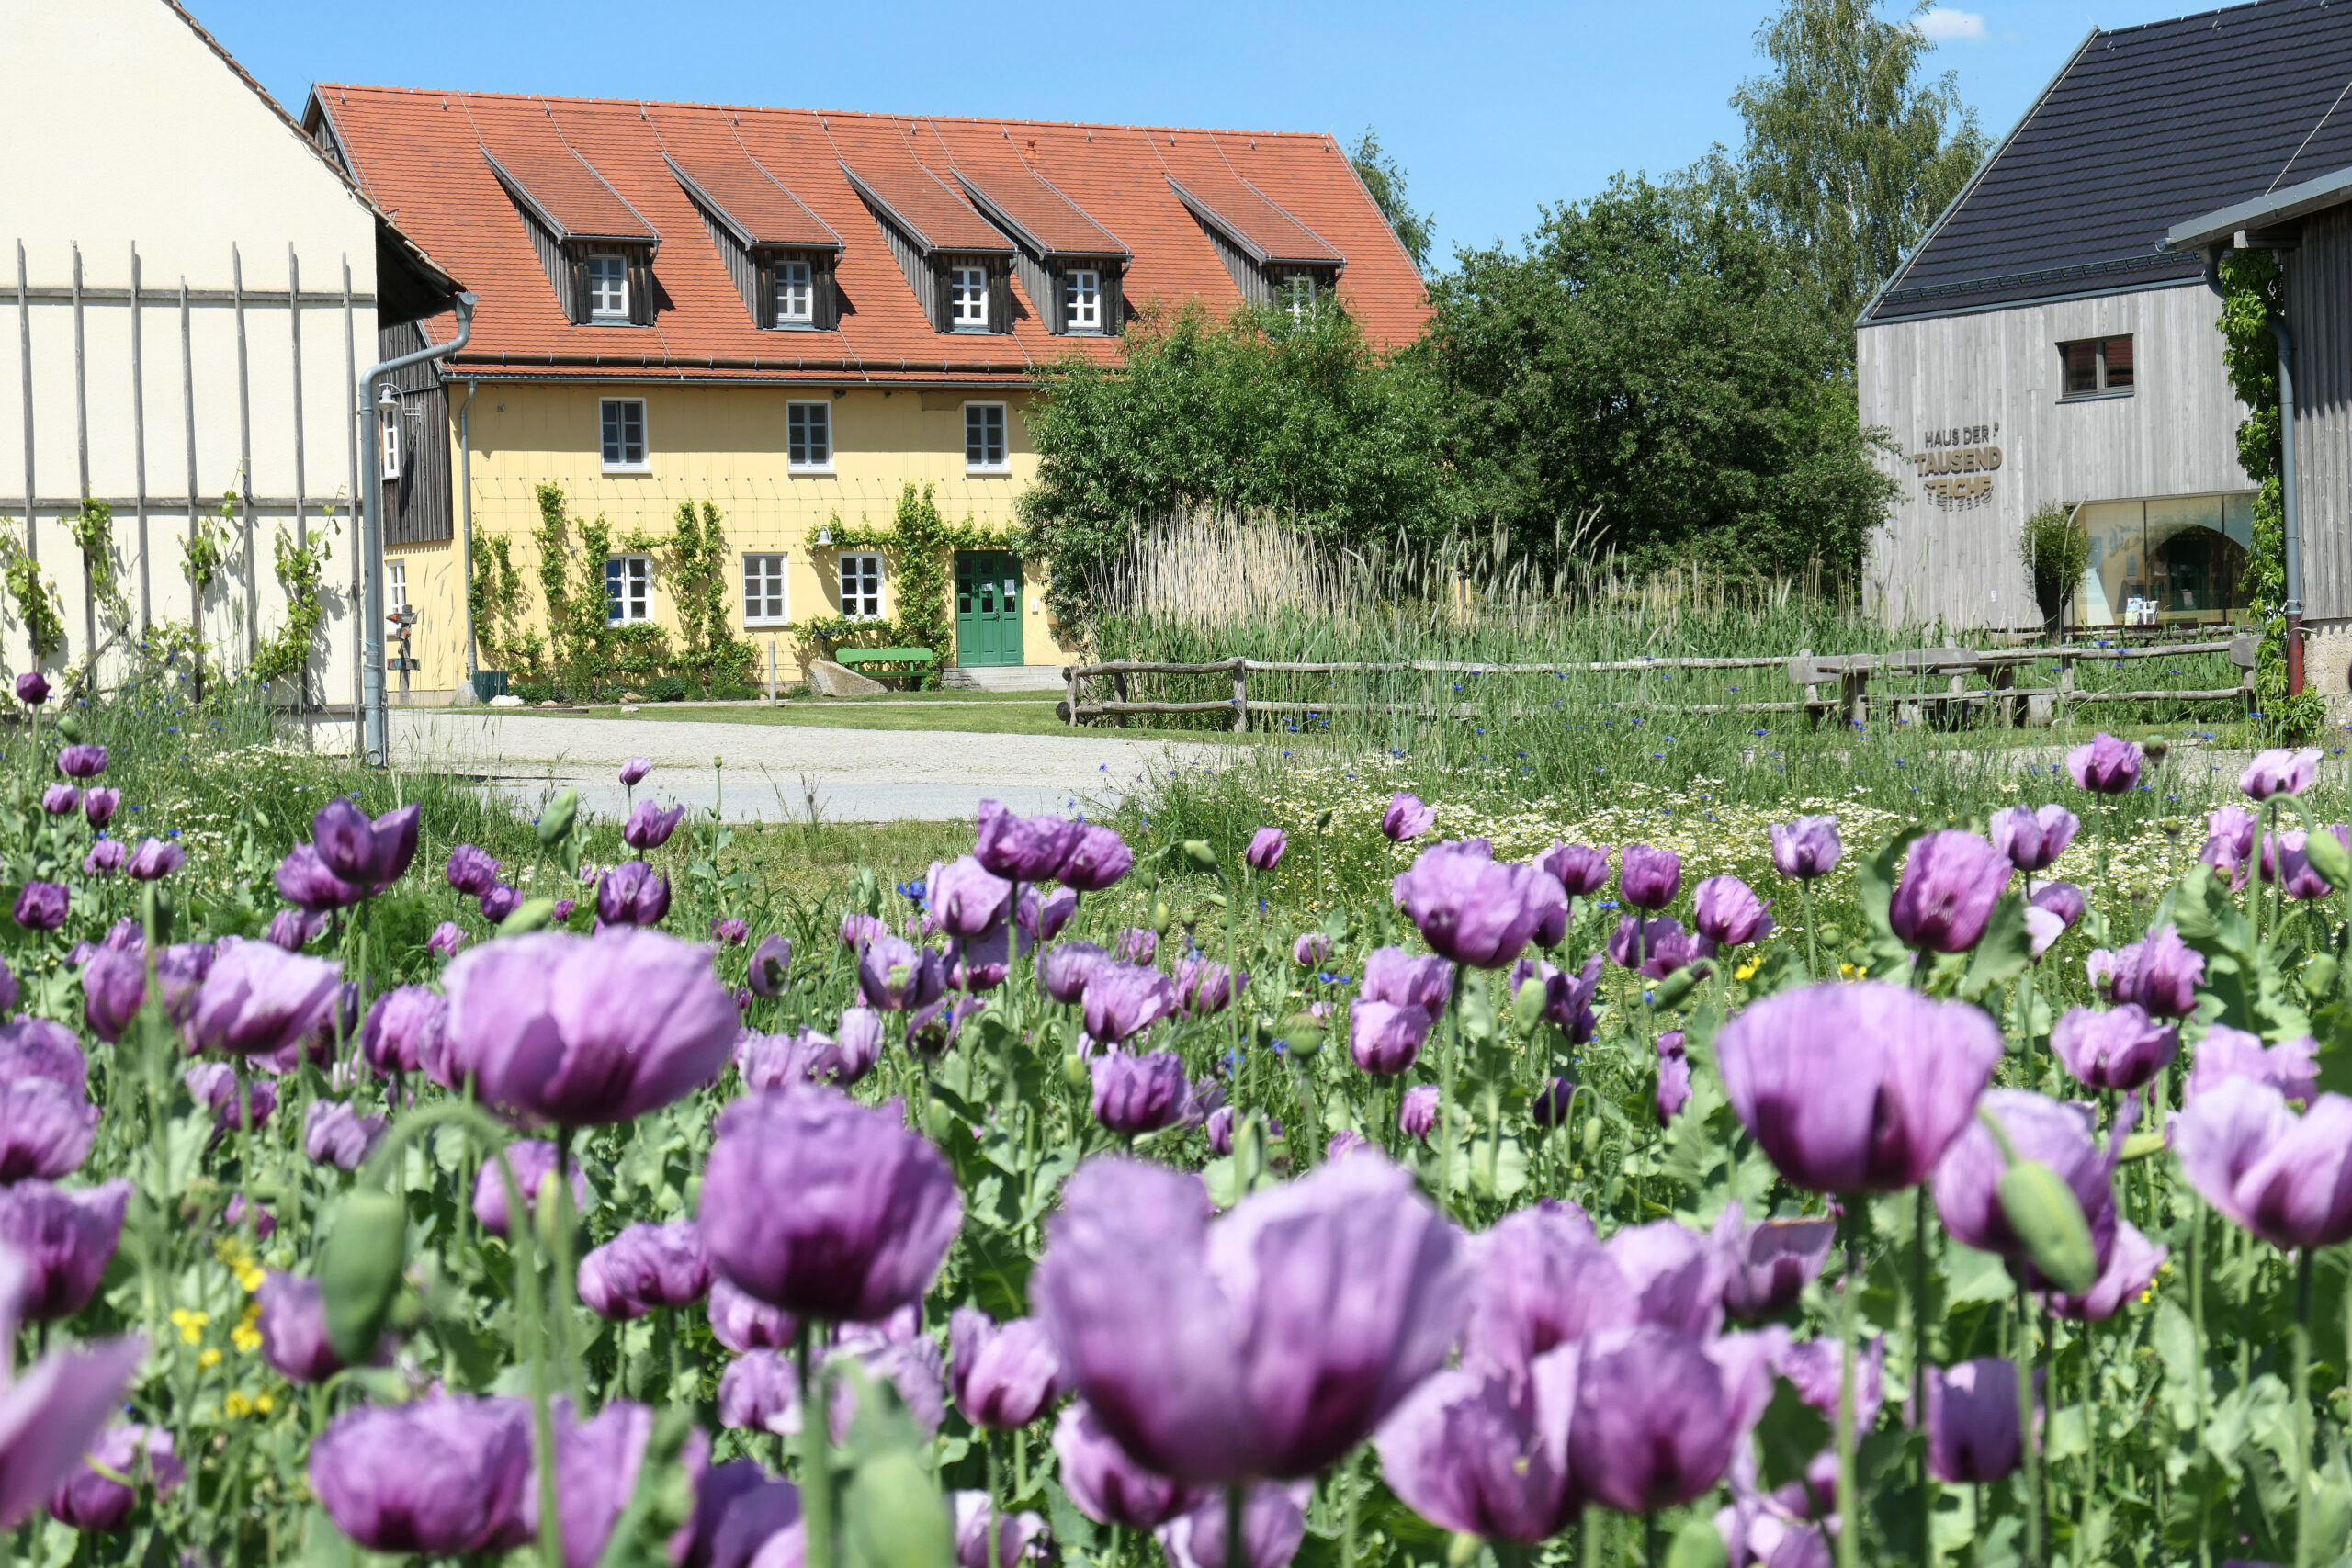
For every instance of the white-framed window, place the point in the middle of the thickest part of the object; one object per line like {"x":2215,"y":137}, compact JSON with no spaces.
{"x":628,"y":589}
{"x":861,"y":586}
{"x":1083,"y":300}
{"x":967,"y":298}
{"x":388,"y":428}
{"x":607,"y":287}
{"x":623,"y":421}
{"x":764,"y":603}
{"x":796,"y":294}
{"x":809,"y":437}
{"x":984,"y":438}
{"x":395,"y":585}
{"x":1298,"y":294}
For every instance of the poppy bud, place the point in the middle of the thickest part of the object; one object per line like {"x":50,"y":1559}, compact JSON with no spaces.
{"x":2320,"y":975}
{"x":1200,"y":855}
{"x":893,"y":1513}
{"x":69,"y":725}
{"x":1075,"y":1074}
{"x":2040,"y":1208}
{"x":1672,"y":991}
{"x":556,"y":822}
{"x":528,"y":916}
{"x":2329,"y":858}
{"x":1528,"y":1005}
{"x":359,"y":1271}
{"x":1162,"y":917}
{"x":1305,"y":1033}
{"x":1698,"y":1544}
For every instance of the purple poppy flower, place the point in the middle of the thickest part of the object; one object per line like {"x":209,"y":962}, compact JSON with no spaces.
{"x":2286,"y":859}
{"x":1216,"y":1355}
{"x":500,"y":902}
{"x":114,"y":987}
{"x":1407,"y":819}
{"x":1473,"y":909}
{"x":1383,"y":1038}
{"x":1138,"y":1094}
{"x":1107,"y":1486}
{"x":52,"y":1412}
{"x":1042,"y":915}
{"x":729,"y":931}
{"x":1136,"y":944}
{"x":894,"y":977}
{"x":1673,"y":1076}
{"x":779,"y":1061}
{"x":876,"y":1207}
{"x":333,"y":1133}
{"x":471,"y":870}
{"x":1649,"y":878}
{"x":1218,"y":1125}
{"x":32,"y":688}
{"x":293,"y":1325}
{"x":1550,"y":1105}
{"x":66,"y":1238}
{"x":1806,"y":848}
{"x":1025,"y":848}
{"x":649,"y":827}
{"x":771,"y":966}
{"x":1204,"y":987}
{"x":1581,"y":871}
{"x":1728,"y":913}
{"x":46,"y":1129}
{"x":1658,"y":945}
{"x":1542,"y":1280}
{"x":1944,"y":900}
{"x":61,"y":800}
{"x":645,"y":1267}
{"x":2120,"y":1048}
{"x":980,"y":963}
{"x":258,"y":999}
{"x":294,"y":931}
{"x":2063,"y":899}
{"x":82,"y":761}
{"x":445,"y":1476}
{"x":2131,"y":1267}
{"x":154,"y":859}
{"x":585,"y":1031}
{"x":1658,"y":1415}
{"x":1972,"y":1434}
{"x":37,"y":1048}
{"x":448,"y":938}
{"x":1267,"y":847}
{"x":1486,"y":1454}
{"x":2291,"y":1067}
{"x":1309,"y":950}
{"x":1018,"y":1535}
{"x":402,"y":1027}
{"x":1064,"y":969}
{"x":2038,"y":1128}
{"x":1568,"y":999}
{"x":1771,"y":1263}
{"x":632,"y":893}
{"x":1676,"y":1275}
{"x":41,"y":905}
{"x":1274,"y":1527}
{"x":215,"y":1085}
{"x":2106,"y":765}
{"x":2279,"y":772}
{"x":1098,"y":859}
{"x":1392,"y":975}
{"x":1005,"y":1376}
{"x":2288,"y":1178}
{"x":2042,"y":930}
{"x":1417,"y":1112}
{"x":931,"y":1030}
{"x":966,"y":898}
{"x":633,"y":772}
{"x":305,"y":881}
{"x":99,"y":806}
{"x":2033,"y":839}
{"x":532,"y":1161}
{"x":90,"y":1498}
{"x":2159,"y":973}
{"x":1815,"y":1371}
{"x":369,"y":854}
{"x":1856,"y":1088}
{"x":1122,"y":1000}
{"x":743,"y":1323}
{"x":2229,"y":841}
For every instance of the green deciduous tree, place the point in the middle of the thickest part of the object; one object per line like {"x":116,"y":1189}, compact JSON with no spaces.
{"x":1852,"y":151}
{"x":1384,"y":178}
{"x":1297,"y":416}
{"x":1654,"y":353}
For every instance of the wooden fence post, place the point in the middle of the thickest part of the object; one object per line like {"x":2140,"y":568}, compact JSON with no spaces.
{"x":1070,"y":686}
{"x":1240,"y":697}
{"x":1119,"y":692}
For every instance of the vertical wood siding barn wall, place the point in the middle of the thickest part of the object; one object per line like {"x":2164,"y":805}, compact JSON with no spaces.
{"x":2175,"y":436}
{"x":2318,"y":304}
{"x":417,"y":504}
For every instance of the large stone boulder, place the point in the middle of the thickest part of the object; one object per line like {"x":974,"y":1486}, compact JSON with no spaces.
{"x":831,"y":679}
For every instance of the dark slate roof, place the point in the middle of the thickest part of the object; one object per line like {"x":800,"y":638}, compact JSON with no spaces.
{"x":2146,"y":127}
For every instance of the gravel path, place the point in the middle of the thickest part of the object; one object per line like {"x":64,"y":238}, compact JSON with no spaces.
{"x":858,"y":775}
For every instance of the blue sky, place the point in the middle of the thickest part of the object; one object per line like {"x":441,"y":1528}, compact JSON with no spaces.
{"x":1493,"y":109}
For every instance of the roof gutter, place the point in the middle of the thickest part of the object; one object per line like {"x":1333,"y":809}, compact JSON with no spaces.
{"x":2291,"y":519}
{"x":376,"y":719}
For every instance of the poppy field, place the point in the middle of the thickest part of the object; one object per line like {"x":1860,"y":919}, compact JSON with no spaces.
{"x":1972,"y":1191}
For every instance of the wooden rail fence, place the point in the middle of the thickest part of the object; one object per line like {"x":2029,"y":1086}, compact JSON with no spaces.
{"x":1851,"y":673}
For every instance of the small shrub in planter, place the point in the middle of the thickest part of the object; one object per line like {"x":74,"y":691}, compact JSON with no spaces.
{"x":666,"y":689}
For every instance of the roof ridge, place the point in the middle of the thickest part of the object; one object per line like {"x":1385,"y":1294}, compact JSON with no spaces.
{"x":819,"y":113}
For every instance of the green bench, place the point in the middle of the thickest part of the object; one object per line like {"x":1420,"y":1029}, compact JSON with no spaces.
{"x":918,"y":661}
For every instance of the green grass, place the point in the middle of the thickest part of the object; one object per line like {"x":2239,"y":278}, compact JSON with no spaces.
{"x":974,"y":713}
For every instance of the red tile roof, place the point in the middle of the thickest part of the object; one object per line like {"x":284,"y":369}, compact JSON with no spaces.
{"x":1012,"y":194}
{"x":754,"y":204}
{"x":932,"y":214}
{"x":419,"y":154}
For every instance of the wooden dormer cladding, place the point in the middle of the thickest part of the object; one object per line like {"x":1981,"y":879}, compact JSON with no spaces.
{"x":574,"y":214}
{"x":1054,"y":238}
{"x":759,"y":227}
{"x":1261,"y":245}
{"x":934,"y":233}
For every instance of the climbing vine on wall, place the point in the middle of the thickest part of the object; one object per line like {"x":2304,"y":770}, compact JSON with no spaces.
{"x":2257,"y":290}
{"x":582,"y":647}
{"x":93,"y":531}
{"x":36,"y":599}
{"x":919,"y":547}
{"x":285,"y":654}
{"x":692,"y":561}
{"x":501,"y":636}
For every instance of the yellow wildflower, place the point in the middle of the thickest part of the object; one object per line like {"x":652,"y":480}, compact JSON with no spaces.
{"x":237,"y":1404}
{"x":191,"y":1324}
{"x":207,"y":1358}
{"x":246,"y":1337}
{"x":265,"y":1404}
{"x":1747,"y":970}
{"x":1849,"y":971}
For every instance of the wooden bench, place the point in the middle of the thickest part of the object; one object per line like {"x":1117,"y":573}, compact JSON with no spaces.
{"x":918,"y":660}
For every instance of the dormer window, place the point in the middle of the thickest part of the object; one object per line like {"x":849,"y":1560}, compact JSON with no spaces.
{"x":607,"y":287}
{"x":795,"y":295}
{"x":1083,"y":300}
{"x":1299,"y":292}
{"x":967,"y":298}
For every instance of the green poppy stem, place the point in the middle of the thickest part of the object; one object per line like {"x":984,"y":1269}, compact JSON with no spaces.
{"x":816,"y":1457}
{"x":2035,"y":1523}
{"x":1850,"y":1539}
{"x":2303,"y":1407}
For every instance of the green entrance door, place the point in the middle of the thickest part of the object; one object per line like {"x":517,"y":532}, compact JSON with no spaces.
{"x":987,"y":607}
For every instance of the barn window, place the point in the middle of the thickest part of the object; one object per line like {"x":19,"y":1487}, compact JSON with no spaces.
{"x":969,"y":298}
{"x":2096,"y":367}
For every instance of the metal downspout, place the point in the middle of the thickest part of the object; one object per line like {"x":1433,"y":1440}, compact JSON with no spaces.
{"x":375,"y":721}
{"x":465,"y":523}
{"x":2290,"y":512}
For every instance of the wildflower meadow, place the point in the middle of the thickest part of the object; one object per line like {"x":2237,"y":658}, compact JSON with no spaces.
{"x":1673,"y":1182}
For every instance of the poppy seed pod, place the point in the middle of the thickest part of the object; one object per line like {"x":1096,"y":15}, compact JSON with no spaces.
{"x":1407,"y":819}
{"x":1025,"y":848}
{"x":1004,"y":1375}
{"x":1211,"y":1354}
{"x":444,"y":1476}
{"x":1944,"y":898}
{"x":1856,"y":1088}
{"x":2032,"y":839}
{"x":875,"y":1209}
{"x":2105,"y":765}
{"x":649,"y":827}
